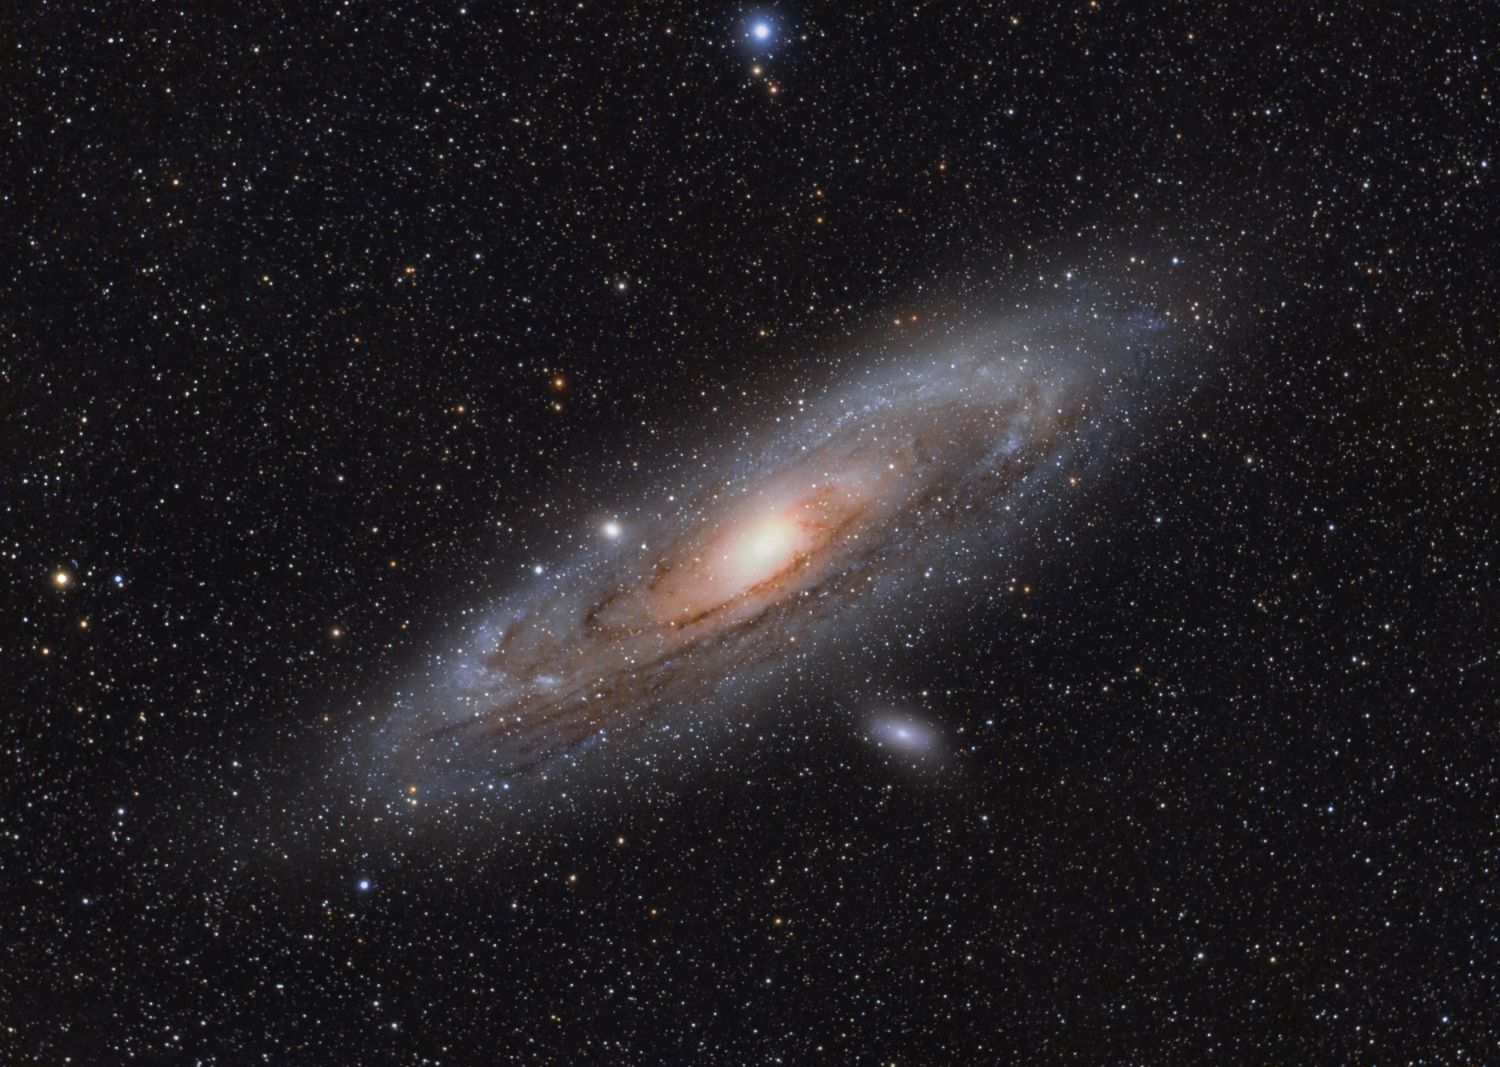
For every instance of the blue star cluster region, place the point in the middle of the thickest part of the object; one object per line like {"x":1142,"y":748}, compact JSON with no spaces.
{"x":883,"y":533}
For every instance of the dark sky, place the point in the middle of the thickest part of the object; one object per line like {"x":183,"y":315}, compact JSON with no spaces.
{"x":322,"y":324}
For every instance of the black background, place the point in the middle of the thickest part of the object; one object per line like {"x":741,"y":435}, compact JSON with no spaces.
{"x":285,"y":292}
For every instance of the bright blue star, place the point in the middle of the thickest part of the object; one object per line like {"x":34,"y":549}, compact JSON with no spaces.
{"x":760,"y":30}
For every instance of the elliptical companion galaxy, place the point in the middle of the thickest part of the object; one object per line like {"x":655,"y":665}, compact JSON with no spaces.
{"x":704,"y":601}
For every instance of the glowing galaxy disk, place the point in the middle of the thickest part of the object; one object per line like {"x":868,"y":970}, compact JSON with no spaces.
{"x":811,"y":542}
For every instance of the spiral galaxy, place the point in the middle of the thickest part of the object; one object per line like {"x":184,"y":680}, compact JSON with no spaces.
{"x":781,"y":561}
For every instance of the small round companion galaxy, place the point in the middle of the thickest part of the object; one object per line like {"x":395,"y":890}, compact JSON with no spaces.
{"x":905,"y":736}
{"x":702,"y":598}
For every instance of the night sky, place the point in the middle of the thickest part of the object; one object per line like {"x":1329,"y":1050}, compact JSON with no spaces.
{"x":1146,"y":714}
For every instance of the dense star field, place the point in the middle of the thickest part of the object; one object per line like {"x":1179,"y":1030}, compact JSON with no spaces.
{"x":708,"y":534}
